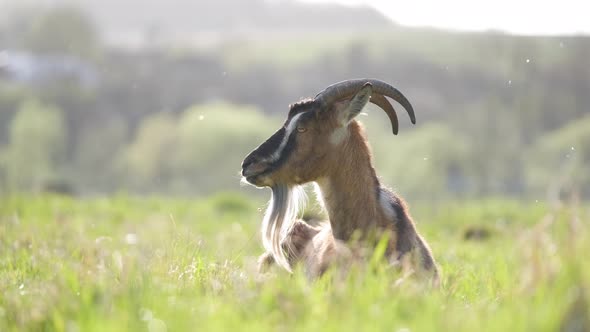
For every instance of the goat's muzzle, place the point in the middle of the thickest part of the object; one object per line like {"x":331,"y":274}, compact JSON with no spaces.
{"x":260,"y":161}
{"x":253,"y":167}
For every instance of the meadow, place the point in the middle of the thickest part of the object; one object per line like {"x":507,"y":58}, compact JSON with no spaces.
{"x":160,"y":264}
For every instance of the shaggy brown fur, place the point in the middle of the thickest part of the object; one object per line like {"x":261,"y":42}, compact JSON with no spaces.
{"x":315,"y":246}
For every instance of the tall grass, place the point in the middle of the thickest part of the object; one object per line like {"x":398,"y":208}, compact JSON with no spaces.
{"x":130,"y":264}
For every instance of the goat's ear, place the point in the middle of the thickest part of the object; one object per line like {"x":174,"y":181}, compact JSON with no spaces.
{"x":356,"y":105}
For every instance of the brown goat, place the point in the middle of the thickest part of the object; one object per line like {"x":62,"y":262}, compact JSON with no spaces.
{"x":321,"y":142}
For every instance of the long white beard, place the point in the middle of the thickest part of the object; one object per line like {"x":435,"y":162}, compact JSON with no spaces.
{"x":285,"y":203}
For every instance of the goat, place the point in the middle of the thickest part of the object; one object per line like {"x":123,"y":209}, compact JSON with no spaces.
{"x":322,"y":142}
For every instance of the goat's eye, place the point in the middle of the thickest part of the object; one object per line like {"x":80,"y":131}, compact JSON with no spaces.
{"x":301,"y":129}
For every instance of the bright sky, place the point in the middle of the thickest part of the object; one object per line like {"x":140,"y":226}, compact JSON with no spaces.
{"x":513,"y":16}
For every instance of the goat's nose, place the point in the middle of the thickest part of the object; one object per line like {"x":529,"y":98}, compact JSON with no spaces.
{"x":253,"y":166}
{"x":249,"y":160}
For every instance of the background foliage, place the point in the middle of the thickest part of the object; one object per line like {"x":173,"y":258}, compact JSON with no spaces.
{"x":496,"y":113}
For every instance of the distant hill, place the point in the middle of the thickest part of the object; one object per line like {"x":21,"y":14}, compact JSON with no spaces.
{"x":483,"y":100}
{"x":139,"y":21}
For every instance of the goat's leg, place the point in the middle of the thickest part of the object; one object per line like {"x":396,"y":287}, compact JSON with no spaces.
{"x":324,"y":252}
{"x":265,"y":261}
{"x":294,"y":244}
{"x":426,"y":261}
{"x":315,"y":247}
{"x":418,"y":261}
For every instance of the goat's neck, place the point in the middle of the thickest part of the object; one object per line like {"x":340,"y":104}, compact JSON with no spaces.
{"x":349,"y":190}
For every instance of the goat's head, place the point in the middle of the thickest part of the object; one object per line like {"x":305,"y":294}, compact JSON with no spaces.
{"x":303,"y":150}
{"x":298,"y":152}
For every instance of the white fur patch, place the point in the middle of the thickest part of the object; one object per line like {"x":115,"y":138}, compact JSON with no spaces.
{"x":386,"y":206}
{"x":284,"y":205}
{"x":339,"y":135}
{"x":290,"y":127}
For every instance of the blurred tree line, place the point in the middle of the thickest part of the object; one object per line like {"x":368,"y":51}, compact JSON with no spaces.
{"x":497,"y":114}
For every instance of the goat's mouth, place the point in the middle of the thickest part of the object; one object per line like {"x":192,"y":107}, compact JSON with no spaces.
{"x":258,"y":179}
{"x":252,"y":179}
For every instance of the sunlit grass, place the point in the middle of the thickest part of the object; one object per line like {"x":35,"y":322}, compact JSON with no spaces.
{"x":126,"y":264}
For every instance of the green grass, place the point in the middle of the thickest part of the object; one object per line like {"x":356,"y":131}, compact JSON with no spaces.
{"x":130,"y":264}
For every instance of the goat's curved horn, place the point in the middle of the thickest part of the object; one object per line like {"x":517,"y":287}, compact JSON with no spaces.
{"x":344,"y":89}
{"x":385,"y":105}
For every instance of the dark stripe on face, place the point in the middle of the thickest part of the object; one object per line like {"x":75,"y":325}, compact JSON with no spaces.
{"x":264,"y":149}
{"x":277,"y":148}
{"x":271,"y":144}
{"x":287,"y":150}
